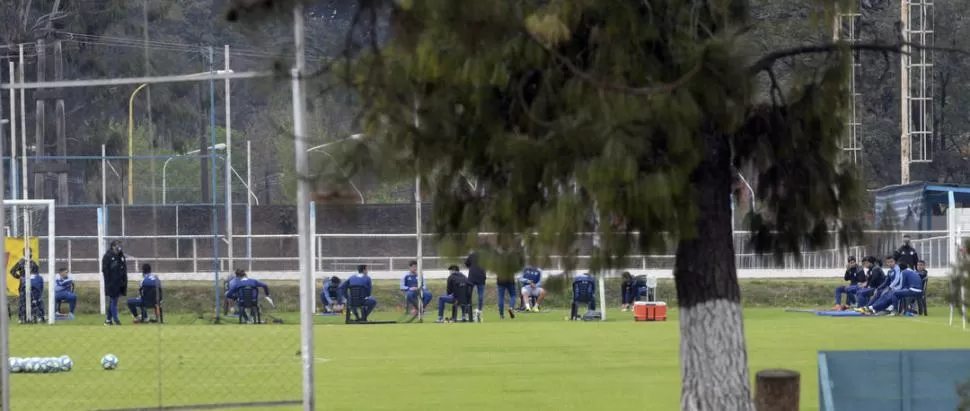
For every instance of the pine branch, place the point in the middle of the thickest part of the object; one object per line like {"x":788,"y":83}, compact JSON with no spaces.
{"x":769,"y":60}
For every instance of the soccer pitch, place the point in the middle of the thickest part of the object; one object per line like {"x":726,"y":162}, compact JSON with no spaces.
{"x":537,"y":361}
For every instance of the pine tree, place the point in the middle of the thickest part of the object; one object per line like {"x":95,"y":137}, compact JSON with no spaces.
{"x":627,"y":118}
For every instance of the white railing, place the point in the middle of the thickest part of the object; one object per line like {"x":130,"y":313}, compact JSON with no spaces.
{"x":340,"y":253}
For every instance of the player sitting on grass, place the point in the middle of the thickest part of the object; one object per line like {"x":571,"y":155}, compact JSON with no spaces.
{"x":583,"y":281}
{"x":910,"y":285}
{"x":332,"y":301}
{"x":35,"y":280}
{"x":409,"y":285}
{"x":64,"y":290}
{"x":243,"y":281}
{"x":149,"y":280}
{"x":855,"y":276}
{"x":361,"y":279}
{"x":532,"y":287}
{"x":456,"y":283}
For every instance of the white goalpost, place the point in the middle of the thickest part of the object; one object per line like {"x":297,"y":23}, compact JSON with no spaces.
{"x":27,"y":233}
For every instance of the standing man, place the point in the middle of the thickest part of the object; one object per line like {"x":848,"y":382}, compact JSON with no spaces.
{"x":114,"y":268}
{"x":409,"y":285}
{"x":854,"y":275}
{"x":906,"y":254}
{"x":19,"y":272}
{"x":64,"y":289}
{"x":476,"y":276}
{"x":505,"y":285}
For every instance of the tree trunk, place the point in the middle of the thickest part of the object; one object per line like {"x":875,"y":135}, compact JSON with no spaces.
{"x":714,"y":360}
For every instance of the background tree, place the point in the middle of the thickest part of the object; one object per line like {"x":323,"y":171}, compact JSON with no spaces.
{"x":633,"y":114}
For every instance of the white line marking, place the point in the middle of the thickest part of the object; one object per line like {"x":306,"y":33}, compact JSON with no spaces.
{"x":321,"y":359}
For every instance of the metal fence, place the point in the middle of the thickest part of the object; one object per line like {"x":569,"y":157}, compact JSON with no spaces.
{"x":194,"y":254}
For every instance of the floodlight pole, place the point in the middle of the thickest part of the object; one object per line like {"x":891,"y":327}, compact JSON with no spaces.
{"x":228,"y":167}
{"x":302,"y":211}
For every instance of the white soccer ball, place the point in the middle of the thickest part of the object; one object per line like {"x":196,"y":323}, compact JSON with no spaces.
{"x":16,"y":364}
{"x":50,"y":365}
{"x":109,"y":362}
{"x":65,"y":363}
{"x":33,"y":365}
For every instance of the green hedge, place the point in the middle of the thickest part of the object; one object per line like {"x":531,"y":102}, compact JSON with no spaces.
{"x":186,"y":297}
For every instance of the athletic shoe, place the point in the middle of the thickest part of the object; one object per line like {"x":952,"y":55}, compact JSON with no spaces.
{"x":440,"y":321}
{"x":535,"y":309}
{"x":511,"y":313}
{"x":107,"y":323}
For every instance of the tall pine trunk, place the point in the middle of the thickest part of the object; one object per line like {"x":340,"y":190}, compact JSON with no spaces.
{"x":713,"y":356}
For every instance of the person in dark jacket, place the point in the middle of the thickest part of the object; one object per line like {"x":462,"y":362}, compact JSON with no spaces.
{"x":921,"y":269}
{"x":19,"y":272}
{"x":114,"y":268}
{"x":906,"y":254}
{"x":476,"y":276}
{"x":457,"y":282}
{"x":874,"y":280}
{"x":854,"y":275}
{"x":627,"y":291}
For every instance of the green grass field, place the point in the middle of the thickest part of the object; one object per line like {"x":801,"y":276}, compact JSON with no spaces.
{"x":537,"y":361}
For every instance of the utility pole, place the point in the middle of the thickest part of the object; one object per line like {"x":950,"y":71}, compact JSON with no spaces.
{"x":40,"y":120}
{"x":905,"y":142}
{"x":60,"y":126}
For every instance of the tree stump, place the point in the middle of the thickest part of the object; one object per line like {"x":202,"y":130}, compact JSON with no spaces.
{"x":776,"y":390}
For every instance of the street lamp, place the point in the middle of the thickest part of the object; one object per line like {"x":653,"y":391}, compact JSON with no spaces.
{"x":219,"y":146}
{"x":131,"y":132}
{"x":322,"y":148}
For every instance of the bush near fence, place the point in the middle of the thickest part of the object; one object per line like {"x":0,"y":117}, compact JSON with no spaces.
{"x":196,"y":297}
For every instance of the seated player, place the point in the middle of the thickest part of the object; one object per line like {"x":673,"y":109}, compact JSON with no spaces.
{"x":532,"y":287}
{"x":874,"y":281}
{"x":855,"y":275}
{"x":583,"y":281}
{"x":640,"y":288}
{"x":64,"y":291}
{"x":409,"y":285}
{"x":361,"y":279}
{"x":627,"y":291}
{"x":921,"y":269}
{"x":35,"y":280}
{"x":893,"y":278}
{"x":135,"y":305}
{"x":242,"y":280}
{"x":910,"y":285}
{"x":333,"y":302}
{"x":456,"y":281}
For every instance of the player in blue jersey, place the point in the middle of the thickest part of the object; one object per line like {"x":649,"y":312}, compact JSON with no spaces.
{"x":361,"y":279}
{"x":333,"y":302}
{"x":531,"y":280}
{"x":409,"y":285}
{"x":242,"y":280}
{"x":64,"y":290}
{"x":910,"y":285}
{"x":149,"y":281}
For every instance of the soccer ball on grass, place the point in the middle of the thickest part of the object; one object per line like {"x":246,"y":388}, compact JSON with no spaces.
{"x":109,"y":362}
